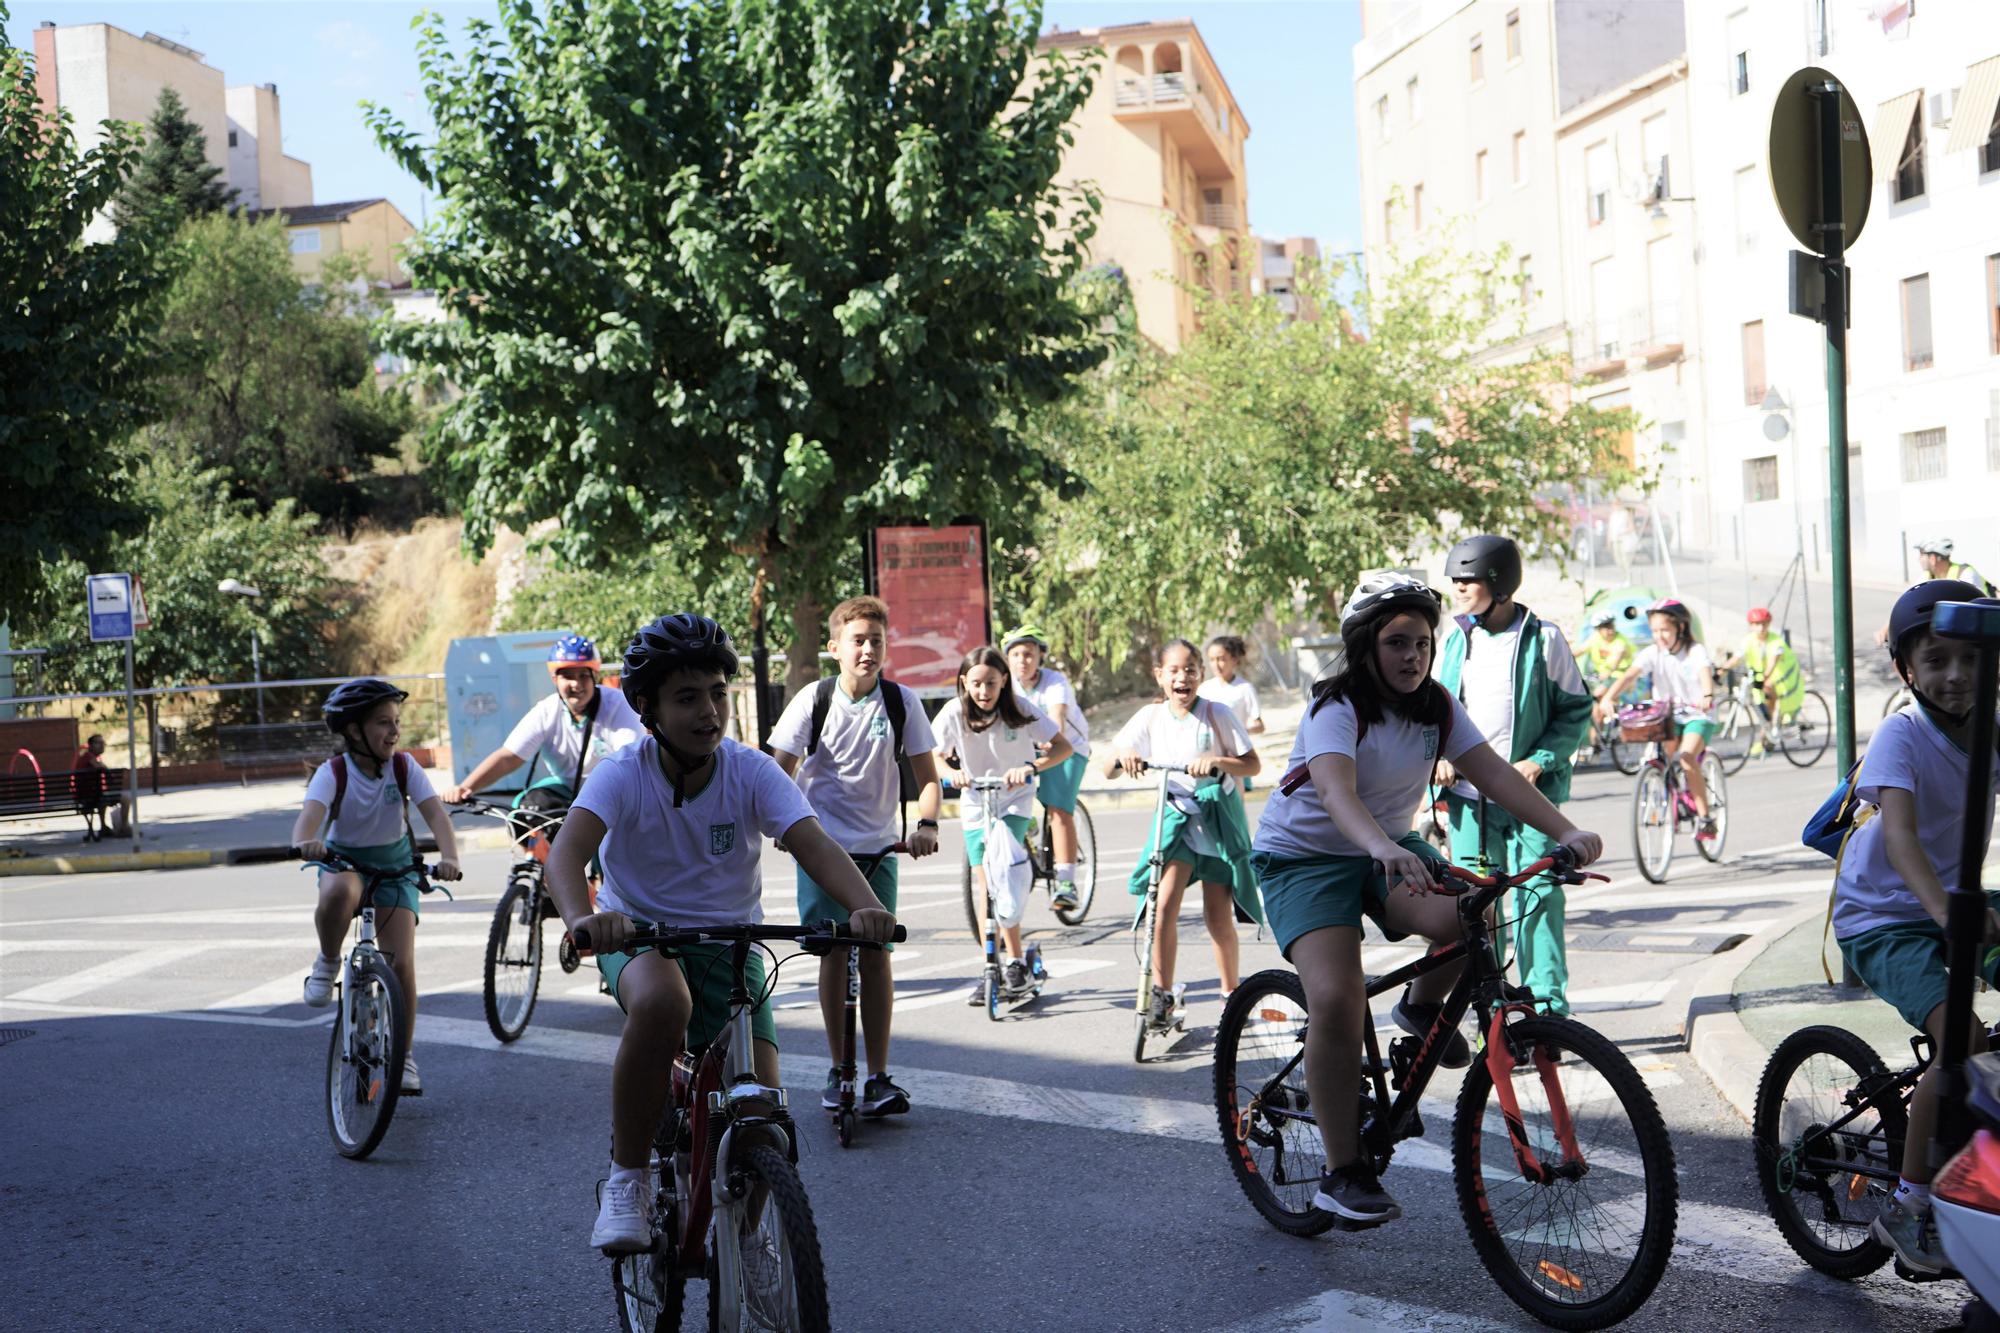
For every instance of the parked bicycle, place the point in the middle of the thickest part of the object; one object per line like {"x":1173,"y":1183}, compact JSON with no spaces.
{"x":364,"y":1059}
{"x":728,"y":1202}
{"x":1041,"y":856}
{"x":1744,"y":726}
{"x":1661,"y":802}
{"x":511,"y":978}
{"x":1563,"y":1166}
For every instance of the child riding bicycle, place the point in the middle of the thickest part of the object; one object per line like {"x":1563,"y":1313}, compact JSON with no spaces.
{"x":358,"y":805}
{"x":1027,"y":650}
{"x":679,"y":820}
{"x":1683,"y":675}
{"x":1890,"y":891}
{"x":1774,"y":670}
{"x":1339,"y":847}
{"x":987,"y":732}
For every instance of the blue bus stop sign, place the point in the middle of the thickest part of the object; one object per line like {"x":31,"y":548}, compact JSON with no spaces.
{"x":109,"y":599}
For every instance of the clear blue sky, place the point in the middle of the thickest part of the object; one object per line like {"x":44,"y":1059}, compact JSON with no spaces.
{"x":1288,"y":62}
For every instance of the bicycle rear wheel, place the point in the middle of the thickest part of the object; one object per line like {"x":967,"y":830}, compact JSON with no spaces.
{"x":1718,"y":809}
{"x":1804,"y":736}
{"x":1086,"y":868}
{"x":780,"y":1278}
{"x":1653,"y":824}
{"x":364,"y":1059}
{"x":1585,"y":1249}
{"x":1735,"y":725}
{"x":514,"y":958}
{"x":1274,"y":1157}
{"x":651,"y":1290}
{"x":1826,"y":1187}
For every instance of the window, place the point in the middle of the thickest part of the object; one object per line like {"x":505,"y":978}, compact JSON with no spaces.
{"x":1917,"y":322}
{"x":1597,"y":174}
{"x":1524,"y":280}
{"x":1478,"y":58}
{"x":1924,"y":455}
{"x":1513,"y":35}
{"x":1604,"y":343}
{"x":1479,"y":176}
{"x":232,"y":138}
{"x":1989,"y":153}
{"x":305,"y":241}
{"x":1737,"y":29}
{"x":1520,"y":157}
{"x":1760,"y":479}
{"x":1993,"y":303}
{"x":1748,"y":210}
{"x":1413,"y":95}
{"x":1993,"y":430}
{"x":1663,"y":289}
{"x":1910,"y":164}
{"x":1417,"y":207}
{"x":1382,"y":118}
{"x":1753,"y":363}
{"x":1388,"y":221}
{"x":1653,"y":145}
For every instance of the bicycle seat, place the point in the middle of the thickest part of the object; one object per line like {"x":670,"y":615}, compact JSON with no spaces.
{"x":1982,"y":1075}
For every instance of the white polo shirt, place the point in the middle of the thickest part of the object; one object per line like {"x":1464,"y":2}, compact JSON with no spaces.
{"x":989,"y":753}
{"x":853,"y":780}
{"x":550,"y":730}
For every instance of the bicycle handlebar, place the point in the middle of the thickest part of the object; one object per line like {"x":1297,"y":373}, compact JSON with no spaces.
{"x":334,"y":861}
{"x":1148,"y":767}
{"x":814,"y":937}
{"x":1560,"y":864}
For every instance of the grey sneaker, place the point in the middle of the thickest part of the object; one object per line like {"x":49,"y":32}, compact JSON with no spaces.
{"x":413,"y":1083}
{"x":1911,"y":1234}
{"x":1160,"y":1013}
{"x":1416,"y":1019}
{"x":1017,"y":979}
{"x":1353,"y":1193}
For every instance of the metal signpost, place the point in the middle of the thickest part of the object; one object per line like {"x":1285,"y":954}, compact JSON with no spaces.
{"x":109,"y":602}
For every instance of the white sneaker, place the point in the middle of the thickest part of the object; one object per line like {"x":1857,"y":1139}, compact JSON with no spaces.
{"x":413,"y":1083}
{"x":319,"y":982}
{"x":624,"y":1219}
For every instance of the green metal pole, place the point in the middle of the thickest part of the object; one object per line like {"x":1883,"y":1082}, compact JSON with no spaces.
{"x":1834,"y":230}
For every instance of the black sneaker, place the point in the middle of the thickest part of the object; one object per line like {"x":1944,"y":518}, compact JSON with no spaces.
{"x":829,"y":1098}
{"x":880,"y":1096}
{"x":1417,"y":1020}
{"x":1353,"y":1194}
{"x":1017,"y":979}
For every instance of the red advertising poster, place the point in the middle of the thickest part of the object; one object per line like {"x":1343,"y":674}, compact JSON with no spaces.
{"x":934,"y":580}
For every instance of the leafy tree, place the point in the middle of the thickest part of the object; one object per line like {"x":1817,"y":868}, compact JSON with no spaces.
{"x":610,"y":604}
{"x":197,"y":536}
{"x":1270,"y":463}
{"x":738,"y":279}
{"x":76,"y":355}
{"x":272,"y":378}
{"x":173,"y":180}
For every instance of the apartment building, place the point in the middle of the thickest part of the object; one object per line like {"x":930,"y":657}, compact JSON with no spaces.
{"x":1924,"y":341}
{"x":98,"y":72}
{"x":372,"y":229}
{"x":1161,"y":138}
{"x":1276,"y":273}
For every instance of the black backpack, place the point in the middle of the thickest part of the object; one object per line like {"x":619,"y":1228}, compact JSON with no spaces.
{"x":894,"y":705}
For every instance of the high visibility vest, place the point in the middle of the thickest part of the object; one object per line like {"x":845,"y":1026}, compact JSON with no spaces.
{"x":1773,"y":661}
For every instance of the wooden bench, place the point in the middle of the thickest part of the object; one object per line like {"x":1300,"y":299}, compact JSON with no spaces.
{"x":26,"y":795}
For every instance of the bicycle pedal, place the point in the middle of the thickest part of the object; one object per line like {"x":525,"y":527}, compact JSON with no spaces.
{"x":1354,"y":1224}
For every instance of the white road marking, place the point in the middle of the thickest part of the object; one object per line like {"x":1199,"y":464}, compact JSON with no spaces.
{"x":107,"y":973}
{"x":288,"y":989}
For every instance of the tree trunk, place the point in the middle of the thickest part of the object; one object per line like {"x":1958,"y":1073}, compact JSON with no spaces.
{"x":802,"y":654}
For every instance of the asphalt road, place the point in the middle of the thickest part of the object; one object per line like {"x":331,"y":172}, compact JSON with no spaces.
{"x":167,"y":1165}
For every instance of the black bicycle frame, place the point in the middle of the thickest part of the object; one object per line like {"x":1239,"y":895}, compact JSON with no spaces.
{"x":1897,"y":1085}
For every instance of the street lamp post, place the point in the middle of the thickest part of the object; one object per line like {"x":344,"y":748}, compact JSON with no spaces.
{"x":237,"y":588}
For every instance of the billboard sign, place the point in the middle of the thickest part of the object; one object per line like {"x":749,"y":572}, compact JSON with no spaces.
{"x":934,"y":580}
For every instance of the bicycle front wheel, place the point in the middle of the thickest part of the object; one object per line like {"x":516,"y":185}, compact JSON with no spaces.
{"x":364,"y":1060}
{"x":1718,"y":809}
{"x":1653,"y":824}
{"x":780,"y":1282}
{"x":1804,"y":736}
{"x":1584,"y":1246}
{"x":514,"y":959}
{"x":1625,"y":756}
{"x":1086,"y":868}
{"x":973,"y":920}
{"x":1261,"y":1104}
{"x":1735,"y":725}
{"x":1826,"y":1186}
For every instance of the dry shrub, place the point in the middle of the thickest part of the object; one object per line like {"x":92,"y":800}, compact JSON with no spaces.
{"x":413,"y":593}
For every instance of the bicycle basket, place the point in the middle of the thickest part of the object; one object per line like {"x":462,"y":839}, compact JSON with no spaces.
{"x":1646,"y":722}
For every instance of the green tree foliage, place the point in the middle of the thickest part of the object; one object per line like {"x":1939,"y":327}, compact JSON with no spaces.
{"x":738,"y":278}
{"x":1269,"y":464}
{"x":272,"y":379}
{"x":610,"y":605}
{"x":74,"y":356}
{"x":197,"y":536}
{"x":173,"y":180}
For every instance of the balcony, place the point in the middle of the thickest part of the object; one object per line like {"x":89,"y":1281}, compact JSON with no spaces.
{"x":1200,"y":129}
{"x":1220,"y":216}
{"x":1650,"y":335}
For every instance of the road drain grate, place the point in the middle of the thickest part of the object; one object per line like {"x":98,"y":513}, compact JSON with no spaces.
{"x":10,"y":1035}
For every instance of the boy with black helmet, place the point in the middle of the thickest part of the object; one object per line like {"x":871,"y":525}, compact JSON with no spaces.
{"x":1890,"y":899}
{"x":678,"y":821}
{"x":358,"y":804}
{"x":1518,"y":681}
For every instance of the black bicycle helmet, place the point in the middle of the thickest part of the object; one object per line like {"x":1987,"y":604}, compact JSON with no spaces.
{"x":1493,"y":561}
{"x":1913,"y":609}
{"x":354,"y":700}
{"x":679,"y":642}
{"x":1386,"y":592}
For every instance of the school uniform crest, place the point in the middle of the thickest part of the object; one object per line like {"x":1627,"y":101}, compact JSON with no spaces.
{"x":878,"y":726}
{"x":1430,"y":743}
{"x":721,"y":839}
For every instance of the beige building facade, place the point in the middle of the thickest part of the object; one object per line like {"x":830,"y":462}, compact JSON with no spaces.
{"x":98,"y":72}
{"x":1161,"y":137}
{"x":1276,"y":273}
{"x":372,"y":230}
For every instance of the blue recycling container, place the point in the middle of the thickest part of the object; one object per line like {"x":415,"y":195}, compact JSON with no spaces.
{"x":489,"y":683}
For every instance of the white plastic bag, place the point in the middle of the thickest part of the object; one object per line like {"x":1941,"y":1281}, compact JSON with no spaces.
{"x":1008,"y":873}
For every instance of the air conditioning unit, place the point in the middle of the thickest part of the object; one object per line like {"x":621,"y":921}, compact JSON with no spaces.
{"x":1942,"y":105}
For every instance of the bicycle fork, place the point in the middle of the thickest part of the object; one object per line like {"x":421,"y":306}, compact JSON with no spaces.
{"x":1500,"y":1063}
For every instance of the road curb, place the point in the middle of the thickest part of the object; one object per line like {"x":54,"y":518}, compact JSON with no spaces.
{"x":101,"y":862}
{"x":1714,"y":1036}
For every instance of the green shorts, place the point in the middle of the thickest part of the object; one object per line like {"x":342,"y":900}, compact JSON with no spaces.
{"x":1057,"y":788}
{"x":975,"y":838}
{"x":816,"y":905}
{"x":402,"y":891}
{"x":1904,"y":964}
{"x":1310,"y":893}
{"x":1700,"y":727}
{"x":706,"y":967}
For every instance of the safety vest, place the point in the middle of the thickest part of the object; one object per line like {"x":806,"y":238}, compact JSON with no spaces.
{"x":1772,"y":660}
{"x":1967,"y":574}
{"x":1607,"y":660}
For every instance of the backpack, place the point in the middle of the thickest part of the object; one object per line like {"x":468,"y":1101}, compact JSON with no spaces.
{"x":1827,"y":832}
{"x":399,"y":763}
{"x":894,"y":705}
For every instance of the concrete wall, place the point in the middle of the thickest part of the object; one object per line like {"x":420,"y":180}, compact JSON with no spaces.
{"x":1601,"y":44}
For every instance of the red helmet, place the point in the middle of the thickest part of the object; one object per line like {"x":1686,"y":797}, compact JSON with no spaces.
{"x":1760,"y":615}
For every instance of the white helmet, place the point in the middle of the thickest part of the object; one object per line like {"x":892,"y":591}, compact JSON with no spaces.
{"x":1937,"y":546}
{"x":1383,"y":591}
